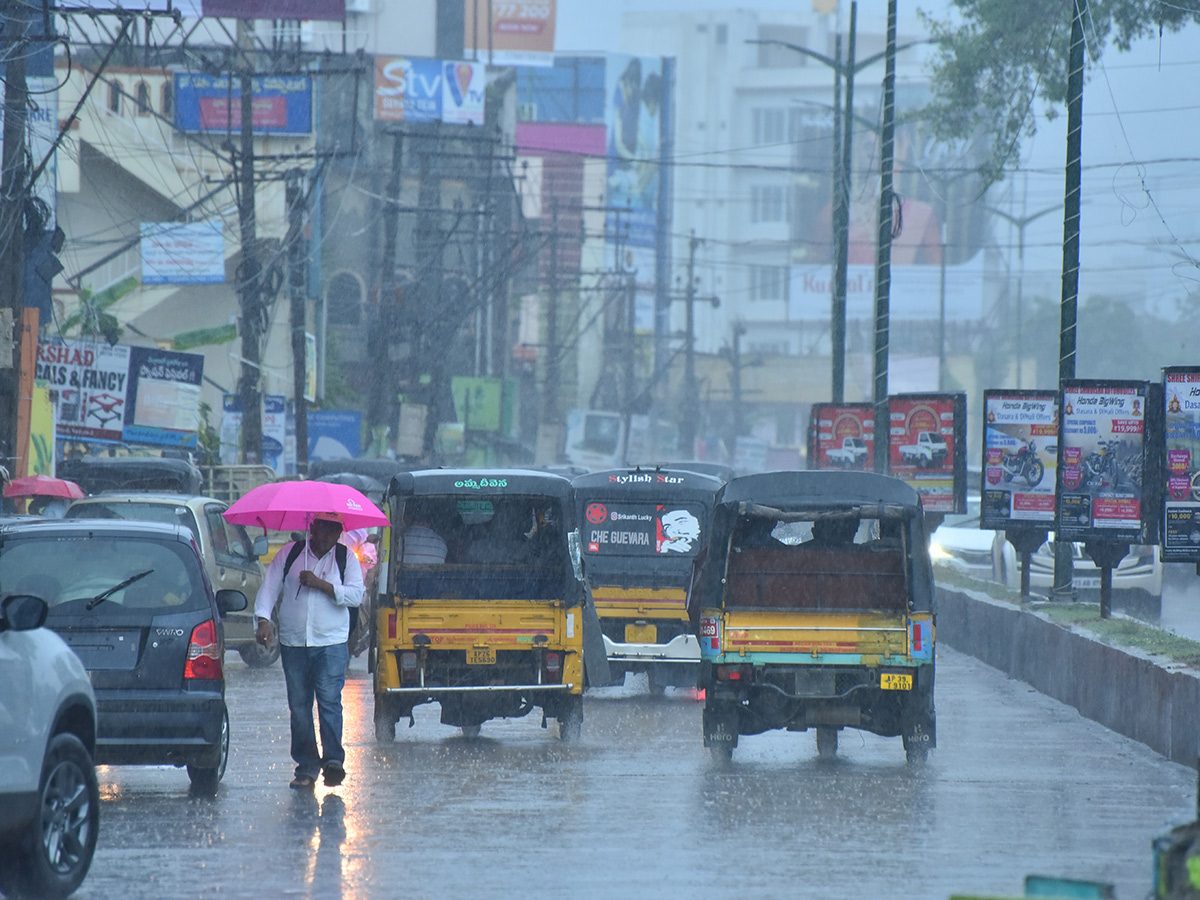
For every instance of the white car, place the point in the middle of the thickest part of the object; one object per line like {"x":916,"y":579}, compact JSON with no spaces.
{"x":960,"y":544}
{"x":49,"y":797}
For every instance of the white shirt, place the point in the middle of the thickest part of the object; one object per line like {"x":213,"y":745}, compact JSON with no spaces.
{"x":309,"y":617}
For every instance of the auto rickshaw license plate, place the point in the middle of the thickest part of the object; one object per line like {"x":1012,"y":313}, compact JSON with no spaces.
{"x":894,"y":681}
{"x":641,"y":634}
{"x":481,"y":656}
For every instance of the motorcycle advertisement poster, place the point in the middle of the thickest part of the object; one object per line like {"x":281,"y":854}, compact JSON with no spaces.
{"x":1101,"y":456}
{"x":1020,"y":450}
{"x":927,"y":447}
{"x":1181,"y":499}
{"x":842,"y":436}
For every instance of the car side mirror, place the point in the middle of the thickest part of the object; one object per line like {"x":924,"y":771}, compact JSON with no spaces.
{"x":230,"y":601}
{"x":576,"y":555}
{"x":261,"y":545}
{"x":22,"y":612}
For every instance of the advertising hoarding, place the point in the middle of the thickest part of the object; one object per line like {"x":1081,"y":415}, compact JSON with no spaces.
{"x":1020,"y":459}
{"x":927,"y":448}
{"x":842,"y":436}
{"x":282,"y":104}
{"x":183,"y":253}
{"x":88,"y":383}
{"x":162,"y":404}
{"x":1102,"y":461}
{"x":636,"y":94}
{"x":429,"y":90}
{"x":521,"y":33}
{"x":1181,"y":465}
{"x":643,"y":529}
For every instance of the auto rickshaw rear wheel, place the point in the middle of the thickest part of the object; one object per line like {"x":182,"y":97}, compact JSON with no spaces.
{"x":471,"y":731}
{"x":827,"y":742}
{"x":385,"y":722}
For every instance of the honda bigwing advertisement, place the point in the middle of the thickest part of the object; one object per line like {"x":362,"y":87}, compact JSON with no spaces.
{"x":1020,"y":456}
{"x":1181,"y":503}
{"x":1102,"y":456}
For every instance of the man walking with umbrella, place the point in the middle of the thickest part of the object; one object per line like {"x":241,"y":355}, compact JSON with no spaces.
{"x":319,"y":584}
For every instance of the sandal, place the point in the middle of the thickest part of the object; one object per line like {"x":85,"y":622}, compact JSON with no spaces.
{"x":303,"y":781}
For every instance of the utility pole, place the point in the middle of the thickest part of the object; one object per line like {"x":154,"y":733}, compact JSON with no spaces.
{"x":297,"y":297}
{"x":550,"y":413}
{"x":249,"y":275}
{"x":737,"y":419}
{"x":1063,"y":565}
{"x":883,"y":257}
{"x":690,"y":399}
{"x":841,"y":204}
{"x":383,"y":386}
{"x":13,"y":191}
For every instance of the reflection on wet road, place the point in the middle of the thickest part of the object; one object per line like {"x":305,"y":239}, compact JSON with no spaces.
{"x":1018,"y":785}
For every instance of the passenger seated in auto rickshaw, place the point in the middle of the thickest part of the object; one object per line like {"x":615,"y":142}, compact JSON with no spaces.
{"x":422,"y":544}
{"x":503,"y":540}
{"x":833,"y":532}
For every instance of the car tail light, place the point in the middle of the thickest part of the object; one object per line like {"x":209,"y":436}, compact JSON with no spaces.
{"x":204,"y":653}
{"x":553,"y":666}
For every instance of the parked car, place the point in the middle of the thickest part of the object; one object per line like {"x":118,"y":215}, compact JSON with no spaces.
{"x":960,"y":544}
{"x":132,"y":473}
{"x":49,"y":798}
{"x":231,"y":557}
{"x":132,"y":600}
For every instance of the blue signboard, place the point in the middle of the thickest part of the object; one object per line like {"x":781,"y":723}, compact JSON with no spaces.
{"x":282,"y":104}
{"x":334,"y":434}
{"x":162,"y":401}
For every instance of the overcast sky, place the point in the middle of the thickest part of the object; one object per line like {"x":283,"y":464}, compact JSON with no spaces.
{"x":1141,"y":155}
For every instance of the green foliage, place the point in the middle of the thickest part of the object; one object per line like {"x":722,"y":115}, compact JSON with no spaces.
{"x":208,"y":439}
{"x":998,"y":58}
{"x":92,"y":320}
{"x":205,"y":337}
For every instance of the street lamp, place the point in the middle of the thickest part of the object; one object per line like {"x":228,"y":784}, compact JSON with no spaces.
{"x":842,"y":134}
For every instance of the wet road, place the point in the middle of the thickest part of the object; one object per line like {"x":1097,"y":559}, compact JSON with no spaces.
{"x":1019,"y":785}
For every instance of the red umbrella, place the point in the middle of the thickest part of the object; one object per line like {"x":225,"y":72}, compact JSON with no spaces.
{"x":43,"y":486}
{"x":291,"y":505}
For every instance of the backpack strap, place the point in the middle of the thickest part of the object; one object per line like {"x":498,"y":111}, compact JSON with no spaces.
{"x":339,"y":553}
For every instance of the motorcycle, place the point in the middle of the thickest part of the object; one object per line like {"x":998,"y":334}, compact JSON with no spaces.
{"x":1100,"y":468}
{"x":1023,"y":464}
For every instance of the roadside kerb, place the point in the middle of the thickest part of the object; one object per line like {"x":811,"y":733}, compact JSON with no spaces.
{"x":1143,"y":697}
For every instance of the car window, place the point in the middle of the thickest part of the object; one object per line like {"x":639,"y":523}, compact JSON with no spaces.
{"x":68,"y":571}
{"x":169,"y":513}
{"x":231,"y":544}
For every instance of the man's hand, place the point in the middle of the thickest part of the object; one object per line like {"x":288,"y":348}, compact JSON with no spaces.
{"x":264,"y":632}
{"x":309,"y":580}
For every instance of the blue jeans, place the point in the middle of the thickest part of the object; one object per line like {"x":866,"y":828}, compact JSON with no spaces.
{"x":320,"y":673}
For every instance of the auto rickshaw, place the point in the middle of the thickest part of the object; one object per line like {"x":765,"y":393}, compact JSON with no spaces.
{"x":485,"y":612}
{"x":640,"y":530}
{"x":814,"y":607}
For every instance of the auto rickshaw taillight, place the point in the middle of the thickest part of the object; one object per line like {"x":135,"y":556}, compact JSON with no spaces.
{"x":408,"y":665}
{"x":392,"y":626}
{"x":553,"y":665}
{"x":733,"y":673}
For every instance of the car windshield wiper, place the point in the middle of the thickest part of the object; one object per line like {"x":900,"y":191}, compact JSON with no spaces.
{"x":100,"y":598}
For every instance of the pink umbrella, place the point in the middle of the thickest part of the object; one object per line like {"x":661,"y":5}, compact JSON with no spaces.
{"x":43,"y":486}
{"x":291,"y":505}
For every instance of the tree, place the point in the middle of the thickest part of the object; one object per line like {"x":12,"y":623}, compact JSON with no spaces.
{"x":998,"y":58}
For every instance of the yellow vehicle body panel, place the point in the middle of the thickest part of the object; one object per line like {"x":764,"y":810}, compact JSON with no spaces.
{"x":477,"y":624}
{"x":815,"y":633}
{"x":640,"y":603}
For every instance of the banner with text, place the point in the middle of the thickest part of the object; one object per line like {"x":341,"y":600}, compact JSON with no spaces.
{"x":1020,"y":456}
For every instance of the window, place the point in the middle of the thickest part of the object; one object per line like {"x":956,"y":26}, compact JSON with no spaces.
{"x":778,"y":56}
{"x":167,"y":97}
{"x":114,"y":96}
{"x":770,"y":125}
{"x":344,"y":299}
{"x":141,"y":95}
{"x":769,"y":203}
{"x":767,"y":282}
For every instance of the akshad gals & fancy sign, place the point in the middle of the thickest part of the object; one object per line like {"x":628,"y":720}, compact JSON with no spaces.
{"x":1103,"y":460}
{"x":1020,"y":455}
{"x":927,"y":447}
{"x":643,"y":529}
{"x":1181,"y":447}
{"x":119,"y":393}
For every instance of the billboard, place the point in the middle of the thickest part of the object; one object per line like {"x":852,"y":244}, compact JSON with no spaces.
{"x":329,"y":10}
{"x":927,"y":448}
{"x":282,"y":104}
{"x":1020,"y":459}
{"x":88,"y":383}
{"x":842,"y":436}
{"x":429,"y":90}
{"x":643,"y":529}
{"x":510,"y":34}
{"x":274,"y":430}
{"x":636,"y":93}
{"x":183,"y":253}
{"x":1181,"y":465}
{"x":1102,"y":460}
{"x":162,"y":404}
